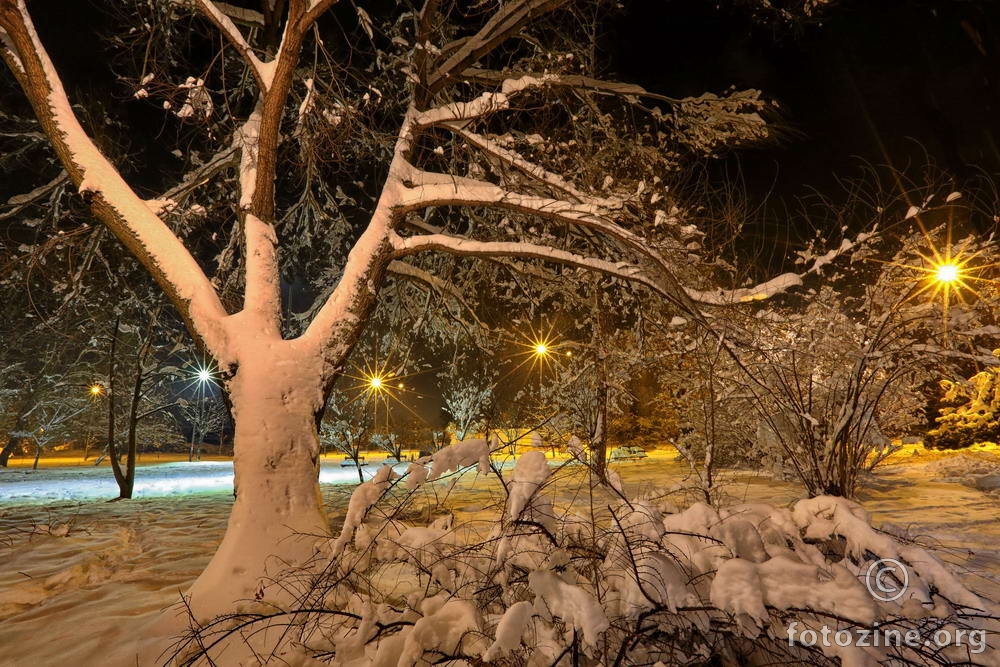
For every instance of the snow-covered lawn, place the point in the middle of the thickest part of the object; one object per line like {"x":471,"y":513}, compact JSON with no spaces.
{"x":80,"y":575}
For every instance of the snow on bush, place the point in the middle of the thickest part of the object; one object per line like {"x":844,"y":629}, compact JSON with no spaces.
{"x":599,"y":580}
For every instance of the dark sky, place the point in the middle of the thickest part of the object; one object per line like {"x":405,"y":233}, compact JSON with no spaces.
{"x":878,"y":80}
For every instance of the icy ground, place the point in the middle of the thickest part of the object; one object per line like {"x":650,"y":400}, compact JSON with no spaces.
{"x":80,"y":575}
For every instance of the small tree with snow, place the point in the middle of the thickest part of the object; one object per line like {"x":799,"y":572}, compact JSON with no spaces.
{"x":346,"y":426}
{"x":203,"y":414}
{"x":467,"y":401}
{"x":833,"y":382}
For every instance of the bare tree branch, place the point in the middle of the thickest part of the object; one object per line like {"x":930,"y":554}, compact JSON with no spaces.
{"x":20,"y":202}
{"x":501,"y":26}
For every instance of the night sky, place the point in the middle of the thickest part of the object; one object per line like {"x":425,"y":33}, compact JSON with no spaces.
{"x":895,"y":82}
{"x":878,"y":81}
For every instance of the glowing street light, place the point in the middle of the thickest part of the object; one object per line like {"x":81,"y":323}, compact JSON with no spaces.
{"x":202,"y":375}
{"x":96,"y":390}
{"x":376,"y":383}
{"x":541,"y":349}
{"x":947,"y":273}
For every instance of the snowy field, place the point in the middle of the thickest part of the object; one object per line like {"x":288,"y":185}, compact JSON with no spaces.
{"x":81,"y":575}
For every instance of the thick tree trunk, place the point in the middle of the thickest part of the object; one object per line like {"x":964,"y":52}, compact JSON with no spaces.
{"x":278,"y":514}
{"x":12,"y":442}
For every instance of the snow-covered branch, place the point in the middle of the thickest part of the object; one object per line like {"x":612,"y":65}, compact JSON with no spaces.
{"x":574,"y":81}
{"x":224,"y":23}
{"x":334,"y":328}
{"x":111,"y":198}
{"x":220,"y":161}
{"x":467,"y":247}
{"x":779,"y":284}
{"x":247,"y":138}
{"x":399,"y":268}
{"x":429,"y":189}
{"x":543,"y":176}
{"x":765,"y":290}
{"x":479,"y":107}
{"x":442,"y":287}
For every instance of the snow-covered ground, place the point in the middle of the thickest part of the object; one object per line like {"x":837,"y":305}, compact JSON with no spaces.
{"x":80,"y":575}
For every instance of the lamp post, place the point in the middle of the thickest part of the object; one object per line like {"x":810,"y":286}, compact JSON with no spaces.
{"x":203,"y":378}
{"x":95,"y":391}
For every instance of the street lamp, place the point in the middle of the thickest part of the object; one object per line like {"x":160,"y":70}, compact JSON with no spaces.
{"x":96,"y":390}
{"x":541,"y":349}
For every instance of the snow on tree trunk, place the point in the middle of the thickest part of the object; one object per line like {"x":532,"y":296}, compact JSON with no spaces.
{"x":278,"y":512}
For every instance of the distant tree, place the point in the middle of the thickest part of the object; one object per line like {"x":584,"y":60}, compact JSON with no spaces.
{"x":346,"y":426}
{"x":52,"y":391}
{"x":417,"y":434}
{"x":467,"y":400}
{"x":390,"y":443}
{"x":204,"y":414}
{"x":51,"y":419}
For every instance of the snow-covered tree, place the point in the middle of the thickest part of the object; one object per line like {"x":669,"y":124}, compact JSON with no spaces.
{"x":51,"y":393}
{"x":833,"y":382}
{"x":467,"y":400}
{"x":346,"y":426}
{"x":205,"y":414}
{"x":52,"y":419}
{"x":971,"y":411}
{"x":474,"y":168}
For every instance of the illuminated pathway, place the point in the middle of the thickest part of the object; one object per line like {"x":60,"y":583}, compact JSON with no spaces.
{"x":20,"y":486}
